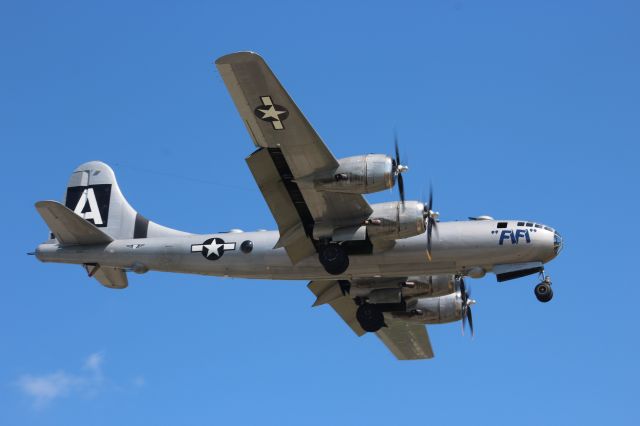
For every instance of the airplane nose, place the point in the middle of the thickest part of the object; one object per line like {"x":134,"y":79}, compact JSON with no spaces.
{"x":557,"y":242}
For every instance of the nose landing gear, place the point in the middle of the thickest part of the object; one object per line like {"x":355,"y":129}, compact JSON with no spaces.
{"x":543,"y":290}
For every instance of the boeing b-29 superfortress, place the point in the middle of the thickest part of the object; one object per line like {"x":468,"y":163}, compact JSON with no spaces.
{"x":387,"y":268}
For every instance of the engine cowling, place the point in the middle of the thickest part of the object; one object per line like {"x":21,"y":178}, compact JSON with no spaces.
{"x":392,"y":220}
{"x":361,"y":174}
{"x":435,"y":310}
{"x":429,"y":286}
{"x":395,"y":291}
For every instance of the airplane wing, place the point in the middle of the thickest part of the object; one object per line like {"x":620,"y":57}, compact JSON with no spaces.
{"x":288,"y":149}
{"x":405,"y":340}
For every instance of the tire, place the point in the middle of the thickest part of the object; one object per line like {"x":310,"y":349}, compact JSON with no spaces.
{"x":370,"y":318}
{"x":543,"y":292}
{"x":334,"y":258}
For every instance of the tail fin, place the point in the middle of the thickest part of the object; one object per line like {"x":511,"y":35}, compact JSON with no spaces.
{"x":94,"y":195}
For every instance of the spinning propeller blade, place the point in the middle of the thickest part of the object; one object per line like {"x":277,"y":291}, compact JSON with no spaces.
{"x":430,"y":216}
{"x":398,"y":168}
{"x":466,"y":306}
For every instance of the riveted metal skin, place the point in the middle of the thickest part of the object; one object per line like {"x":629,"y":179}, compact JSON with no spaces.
{"x":362,"y":174}
{"x":393,"y":220}
{"x":436,"y":310}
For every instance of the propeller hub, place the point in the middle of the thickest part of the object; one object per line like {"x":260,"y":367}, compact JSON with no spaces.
{"x":431,"y":214}
{"x":401,"y":168}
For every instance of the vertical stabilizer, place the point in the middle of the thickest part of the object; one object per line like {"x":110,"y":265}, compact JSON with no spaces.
{"x":93,"y":194}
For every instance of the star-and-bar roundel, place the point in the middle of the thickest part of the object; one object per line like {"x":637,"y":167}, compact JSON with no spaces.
{"x":213,"y":248}
{"x":268,"y":111}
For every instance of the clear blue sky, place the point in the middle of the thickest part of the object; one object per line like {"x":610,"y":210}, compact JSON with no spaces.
{"x":513,"y":109}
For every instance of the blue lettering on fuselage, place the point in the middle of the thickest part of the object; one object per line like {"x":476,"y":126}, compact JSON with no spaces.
{"x":522,"y":233}
{"x":507,"y":234}
{"x":514,"y":237}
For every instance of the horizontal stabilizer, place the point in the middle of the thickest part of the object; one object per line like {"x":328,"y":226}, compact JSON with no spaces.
{"x":68,"y":227}
{"x":108,"y":276}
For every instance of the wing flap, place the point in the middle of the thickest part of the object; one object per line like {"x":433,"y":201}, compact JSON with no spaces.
{"x":344,"y":306}
{"x":293,"y":236}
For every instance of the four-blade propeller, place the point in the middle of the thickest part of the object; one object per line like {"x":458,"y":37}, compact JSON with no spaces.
{"x":430,"y":216}
{"x":467,"y":301}
{"x":398,"y":168}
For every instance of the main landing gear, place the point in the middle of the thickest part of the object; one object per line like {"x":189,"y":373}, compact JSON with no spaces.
{"x":543,"y":290}
{"x":334,"y":258}
{"x":370,"y":317}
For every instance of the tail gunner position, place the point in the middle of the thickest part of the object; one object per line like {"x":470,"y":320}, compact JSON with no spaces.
{"x":387,"y":268}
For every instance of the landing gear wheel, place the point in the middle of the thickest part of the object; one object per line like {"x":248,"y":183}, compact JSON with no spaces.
{"x":334,"y":258}
{"x":370,"y":317}
{"x":543,"y":292}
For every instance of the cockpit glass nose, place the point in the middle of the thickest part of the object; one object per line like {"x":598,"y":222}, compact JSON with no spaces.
{"x":557,"y":242}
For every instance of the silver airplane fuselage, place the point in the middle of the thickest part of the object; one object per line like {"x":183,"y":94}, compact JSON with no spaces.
{"x":463,"y":247}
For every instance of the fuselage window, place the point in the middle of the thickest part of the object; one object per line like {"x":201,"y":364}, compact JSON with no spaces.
{"x":502,"y":224}
{"x":529,"y":224}
{"x":520,"y":223}
{"x":246,"y":246}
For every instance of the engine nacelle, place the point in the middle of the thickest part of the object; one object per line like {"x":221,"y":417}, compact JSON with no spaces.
{"x":392,"y":221}
{"x":429,"y":286}
{"x":395,"y":291}
{"x":361,"y":174}
{"x":435,"y":310}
